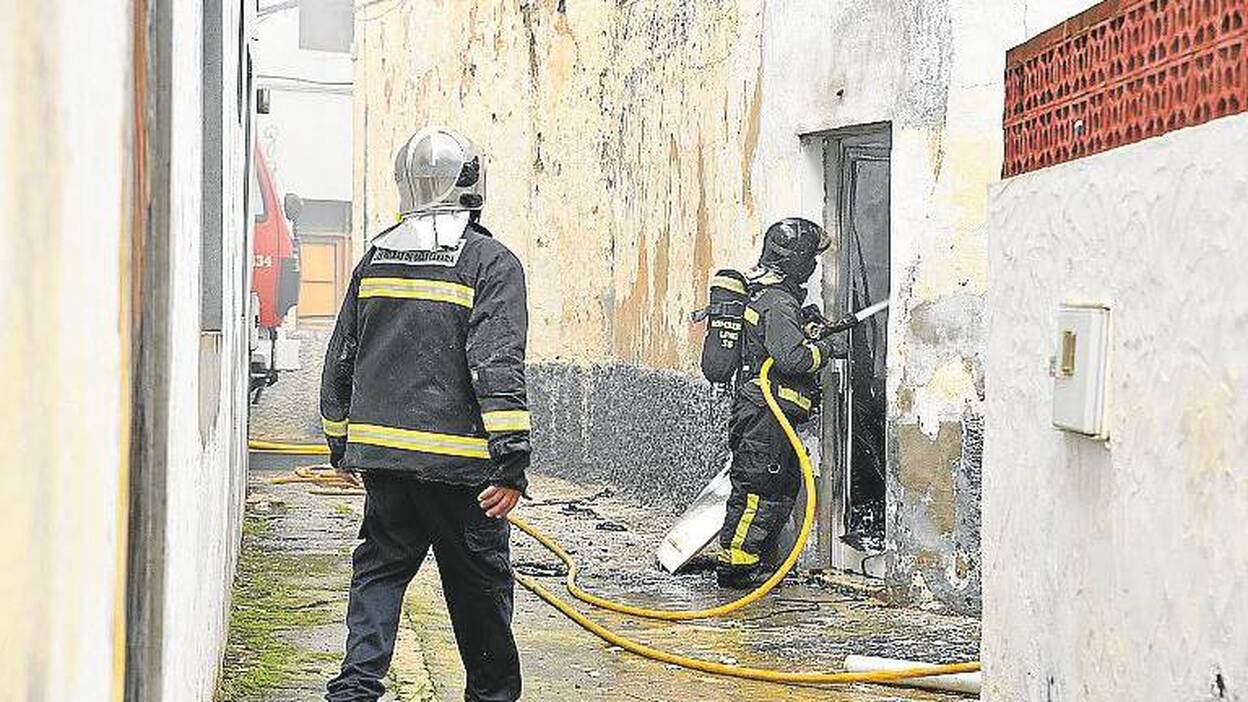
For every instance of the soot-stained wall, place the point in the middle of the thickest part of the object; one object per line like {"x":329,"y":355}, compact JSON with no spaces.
{"x":656,"y":434}
{"x":621,"y":139}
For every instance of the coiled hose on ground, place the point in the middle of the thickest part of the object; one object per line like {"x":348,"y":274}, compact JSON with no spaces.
{"x":641,"y":649}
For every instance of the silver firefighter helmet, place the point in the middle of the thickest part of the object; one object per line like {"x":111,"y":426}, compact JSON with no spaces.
{"x":437,"y":171}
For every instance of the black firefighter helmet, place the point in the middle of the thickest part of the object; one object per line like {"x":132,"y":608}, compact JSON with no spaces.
{"x":791,"y":247}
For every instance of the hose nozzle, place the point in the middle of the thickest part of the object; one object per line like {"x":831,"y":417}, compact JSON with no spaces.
{"x":852,"y":320}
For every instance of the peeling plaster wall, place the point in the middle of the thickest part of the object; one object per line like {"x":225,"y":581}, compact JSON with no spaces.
{"x":933,"y":70}
{"x":621,"y":137}
{"x":636,"y":146}
{"x":1119,"y":571}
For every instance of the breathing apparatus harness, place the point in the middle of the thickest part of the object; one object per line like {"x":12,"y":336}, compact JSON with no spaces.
{"x":723,"y":347}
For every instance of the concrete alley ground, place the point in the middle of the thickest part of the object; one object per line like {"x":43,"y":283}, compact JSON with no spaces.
{"x":290,"y":597}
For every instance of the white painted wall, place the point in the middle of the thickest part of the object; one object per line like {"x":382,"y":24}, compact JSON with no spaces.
{"x":63,"y":210}
{"x":1120,"y":571}
{"x":307,"y":134}
{"x":65,"y":284}
{"x":205,"y":484}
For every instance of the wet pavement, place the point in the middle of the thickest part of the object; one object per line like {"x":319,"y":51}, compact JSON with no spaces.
{"x":809,"y":623}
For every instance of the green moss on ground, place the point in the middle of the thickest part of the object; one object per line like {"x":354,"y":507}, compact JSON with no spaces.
{"x":270,"y":599}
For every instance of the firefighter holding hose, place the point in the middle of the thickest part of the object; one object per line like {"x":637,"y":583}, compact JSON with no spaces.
{"x":765,"y":474}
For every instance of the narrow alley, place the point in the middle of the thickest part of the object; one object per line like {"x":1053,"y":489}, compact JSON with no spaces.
{"x":911,"y":334}
{"x":287,"y":627}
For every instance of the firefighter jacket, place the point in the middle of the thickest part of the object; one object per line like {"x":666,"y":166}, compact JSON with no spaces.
{"x":773,"y":328}
{"x":424,"y":373}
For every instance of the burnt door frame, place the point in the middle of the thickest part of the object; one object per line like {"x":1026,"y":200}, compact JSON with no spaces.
{"x":845,"y":151}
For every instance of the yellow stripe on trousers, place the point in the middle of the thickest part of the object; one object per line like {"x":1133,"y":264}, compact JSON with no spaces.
{"x":737,"y":554}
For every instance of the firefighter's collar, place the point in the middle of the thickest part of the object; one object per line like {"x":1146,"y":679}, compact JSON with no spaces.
{"x":764,"y":276}
{"x":430,"y":232}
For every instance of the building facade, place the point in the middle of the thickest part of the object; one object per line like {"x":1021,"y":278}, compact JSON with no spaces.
{"x":638,"y":146}
{"x":123,"y":284}
{"x":1115,"y":555}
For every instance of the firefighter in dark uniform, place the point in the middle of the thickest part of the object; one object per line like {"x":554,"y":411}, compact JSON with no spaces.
{"x":423,"y":396}
{"x":765,"y":472}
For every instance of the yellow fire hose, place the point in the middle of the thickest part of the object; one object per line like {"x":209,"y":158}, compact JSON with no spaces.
{"x":808,"y":521}
{"x":641,"y":649}
{"x":287,"y":448}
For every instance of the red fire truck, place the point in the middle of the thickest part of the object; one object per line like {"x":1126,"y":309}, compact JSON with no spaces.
{"x":274,"y":277}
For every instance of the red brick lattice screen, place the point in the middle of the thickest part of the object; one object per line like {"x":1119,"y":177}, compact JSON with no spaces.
{"x":1121,"y":72}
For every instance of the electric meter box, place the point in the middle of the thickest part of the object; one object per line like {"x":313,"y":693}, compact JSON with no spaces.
{"x":1080,"y":370}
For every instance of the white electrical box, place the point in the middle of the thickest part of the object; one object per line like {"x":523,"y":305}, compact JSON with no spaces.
{"x":1080,"y":370}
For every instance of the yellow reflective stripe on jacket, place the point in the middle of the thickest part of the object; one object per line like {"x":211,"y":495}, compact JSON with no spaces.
{"x":737,"y":554}
{"x":417,"y":289}
{"x":421,"y":441}
{"x":507,"y":420}
{"x":751,"y":315}
{"x":332,"y":428}
{"x":787,"y":393}
{"x":816,"y":356}
{"x":723,"y":281}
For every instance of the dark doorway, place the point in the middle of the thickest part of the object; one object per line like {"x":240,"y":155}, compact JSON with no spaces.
{"x":856,"y":275}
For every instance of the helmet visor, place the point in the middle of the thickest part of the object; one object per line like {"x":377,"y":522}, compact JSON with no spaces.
{"x":434,"y":163}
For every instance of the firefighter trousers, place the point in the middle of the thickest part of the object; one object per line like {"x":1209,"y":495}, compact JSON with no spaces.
{"x":765,"y":477}
{"x":403,"y":518}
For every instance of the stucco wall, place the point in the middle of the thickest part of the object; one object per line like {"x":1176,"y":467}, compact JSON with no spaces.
{"x":1119,"y":571}
{"x":63,"y":211}
{"x":637,"y":146}
{"x":66,"y":277}
{"x":933,"y":70}
{"x":621,"y":138}
{"x":208,"y":379}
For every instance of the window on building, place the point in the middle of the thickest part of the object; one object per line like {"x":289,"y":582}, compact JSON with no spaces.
{"x":255,"y":199}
